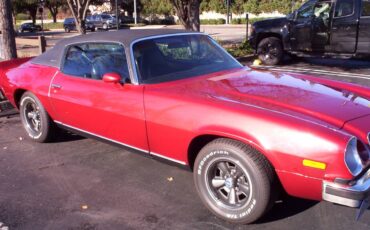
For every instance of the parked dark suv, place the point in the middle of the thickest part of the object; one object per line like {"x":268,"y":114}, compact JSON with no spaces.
{"x":70,"y":25}
{"x":334,"y":28}
{"x":29,"y":27}
{"x":103,"y":21}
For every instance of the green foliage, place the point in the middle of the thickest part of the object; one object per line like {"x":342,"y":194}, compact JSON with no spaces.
{"x":22,"y":17}
{"x":240,"y":50}
{"x":218,"y":21}
{"x":151,"y":7}
{"x":252,"y":6}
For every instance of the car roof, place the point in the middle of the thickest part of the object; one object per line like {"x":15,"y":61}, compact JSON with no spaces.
{"x":53,"y":57}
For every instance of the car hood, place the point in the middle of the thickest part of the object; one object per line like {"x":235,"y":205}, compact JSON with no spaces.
{"x":282,"y":92}
{"x":275,"y":22}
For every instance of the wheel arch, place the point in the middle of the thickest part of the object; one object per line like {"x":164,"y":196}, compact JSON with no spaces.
{"x":18,"y":93}
{"x":262,"y":36}
{"x":198,"y":142}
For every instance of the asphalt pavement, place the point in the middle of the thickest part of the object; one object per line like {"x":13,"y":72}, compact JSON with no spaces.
{"x":77,"y":183}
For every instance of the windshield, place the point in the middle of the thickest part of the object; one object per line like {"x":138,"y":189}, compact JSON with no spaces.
{"x":178,"y":57}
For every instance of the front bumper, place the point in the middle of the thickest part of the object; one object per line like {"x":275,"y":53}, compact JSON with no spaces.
{"x":352,"y":194}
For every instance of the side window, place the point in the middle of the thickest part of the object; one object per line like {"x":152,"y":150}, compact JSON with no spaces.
{"x":93,"y":60}
{"x":366,"y":8}
{"x":344,"y":8}
{"x":306,"y":11}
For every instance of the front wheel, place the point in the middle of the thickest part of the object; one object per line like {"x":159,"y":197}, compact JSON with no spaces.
{"x":234,"y":181}
{"x":270,"y":51}
{"x":36,"y":121}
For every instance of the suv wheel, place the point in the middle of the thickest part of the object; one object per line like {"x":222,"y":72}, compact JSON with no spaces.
{"x":66,"y":29}
{"x":105,"y":26}
{"x":234,"y":181}
{"x":270,"y":51}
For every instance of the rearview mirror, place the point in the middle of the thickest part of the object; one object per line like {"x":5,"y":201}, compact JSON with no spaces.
{"x":112,"y":78}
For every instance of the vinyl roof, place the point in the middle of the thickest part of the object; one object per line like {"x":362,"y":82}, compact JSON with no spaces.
{"x":53,"y":57}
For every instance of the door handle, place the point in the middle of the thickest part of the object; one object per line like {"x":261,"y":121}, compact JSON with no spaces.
{"x":55,"y":86}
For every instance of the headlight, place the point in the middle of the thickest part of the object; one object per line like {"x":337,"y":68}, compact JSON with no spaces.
{"x":352,"y":157}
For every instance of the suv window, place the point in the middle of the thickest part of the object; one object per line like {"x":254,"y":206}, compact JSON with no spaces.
{"x":93,"y":60}
{"x":306,"y":10}
{"x":366,"y":8}
{"x":344,"y":8}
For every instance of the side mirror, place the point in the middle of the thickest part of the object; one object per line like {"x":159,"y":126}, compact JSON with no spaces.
{"x":112,"y":78}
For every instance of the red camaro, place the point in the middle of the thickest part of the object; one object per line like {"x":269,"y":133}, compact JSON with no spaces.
{"x":180,"y":97}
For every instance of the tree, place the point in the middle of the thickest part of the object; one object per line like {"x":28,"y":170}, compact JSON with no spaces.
{"x":53,"y":6}
{"x":8,"y":35}
{"x":79,"y":10}
{"x":30,"y":6}
{"x":188,"y":13}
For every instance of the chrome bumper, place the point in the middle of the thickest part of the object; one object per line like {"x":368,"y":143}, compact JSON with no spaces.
{"x":351,"y":195}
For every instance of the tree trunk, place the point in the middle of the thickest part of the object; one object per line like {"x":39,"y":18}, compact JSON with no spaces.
{"x":33,"y":14}
{"x":8,"y":45}
{"x":79,"y":10}
{"x":188,"y":13}
{"x":54,"y":13}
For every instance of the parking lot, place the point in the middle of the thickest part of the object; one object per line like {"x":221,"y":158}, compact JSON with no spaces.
{"x":78,"y":183}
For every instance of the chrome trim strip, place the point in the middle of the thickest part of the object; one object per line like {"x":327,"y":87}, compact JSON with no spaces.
{"x":168,"y":158}
{"x":132,"y":59}
{"x":93,"y":134}
{"x":51,"y":83}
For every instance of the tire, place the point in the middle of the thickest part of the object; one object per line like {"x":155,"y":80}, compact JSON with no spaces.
{"x":36,"y":121}
{"x":270,"y":51}
{"x":234,"y":181}
{"x":105,"y":26}
{"x":66,"y":29}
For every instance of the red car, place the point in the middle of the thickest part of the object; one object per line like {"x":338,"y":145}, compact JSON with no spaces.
{"x":178,"y":96}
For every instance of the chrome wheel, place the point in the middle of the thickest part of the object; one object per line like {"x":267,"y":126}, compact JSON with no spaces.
{"x":32,"y":117}
{"x":229,"y":184}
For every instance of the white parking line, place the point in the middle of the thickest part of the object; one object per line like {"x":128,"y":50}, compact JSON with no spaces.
{"x":322,"y":72}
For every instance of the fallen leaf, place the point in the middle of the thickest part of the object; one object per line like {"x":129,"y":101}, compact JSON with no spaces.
{"x":170,"y":179}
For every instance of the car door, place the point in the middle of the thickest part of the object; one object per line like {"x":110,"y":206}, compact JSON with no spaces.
{"x":363,"y":46}
{"x":301,"y":26}
{"x":344,"y":27}
{"x":321,"y":25}
{"x":84,"y":102}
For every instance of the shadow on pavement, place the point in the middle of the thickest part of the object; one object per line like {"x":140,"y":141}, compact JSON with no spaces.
{"x":344,"y":64}
{"x":287,"y":207}
{"x":66,"y":136}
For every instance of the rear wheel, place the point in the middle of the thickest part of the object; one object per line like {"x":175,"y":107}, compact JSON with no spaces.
{"x":270,"y":51}
{"x":36,"y":121}
{"x":234,"y":181}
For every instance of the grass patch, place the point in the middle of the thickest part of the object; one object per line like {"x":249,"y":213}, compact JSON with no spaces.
{"x":240,"y":50}
{"x":57,"y":25}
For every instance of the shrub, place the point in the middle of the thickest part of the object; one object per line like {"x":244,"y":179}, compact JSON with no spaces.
{"x":22,"y":17}
{"x":218,"y":21}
